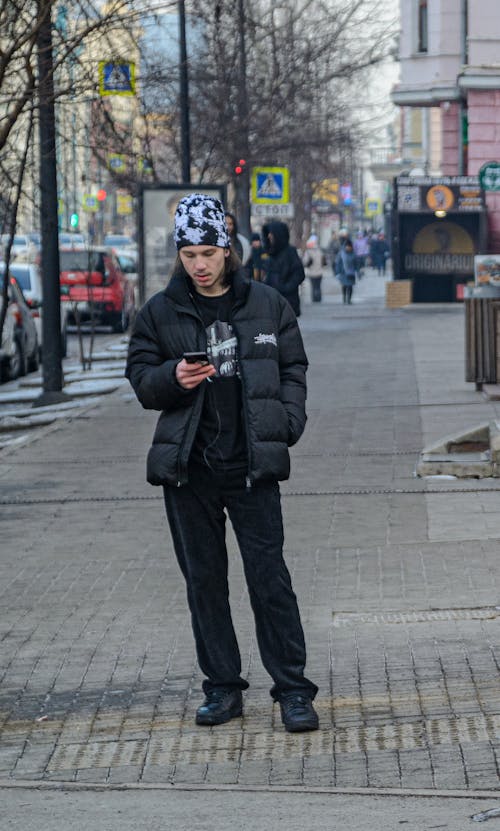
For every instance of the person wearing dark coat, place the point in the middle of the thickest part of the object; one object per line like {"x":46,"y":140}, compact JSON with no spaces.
{"x":221,"y":445}
{"x":379,"y":252}
{"x":283,"y":269}
{"x":345,"y":268}
{"x":253,"y":265}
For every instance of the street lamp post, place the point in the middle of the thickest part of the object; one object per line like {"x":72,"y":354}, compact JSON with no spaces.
{"x":184,"y":97}
{"x":243,"y":181}
{"x":51,"y":318}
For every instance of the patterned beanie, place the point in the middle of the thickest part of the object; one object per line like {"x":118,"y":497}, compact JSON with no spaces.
{"x":200,"y":220}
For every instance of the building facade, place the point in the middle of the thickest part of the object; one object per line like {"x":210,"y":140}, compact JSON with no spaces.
{"x":450,"y":69}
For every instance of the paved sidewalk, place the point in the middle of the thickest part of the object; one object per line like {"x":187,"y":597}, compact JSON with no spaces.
{"x":397,"y":581}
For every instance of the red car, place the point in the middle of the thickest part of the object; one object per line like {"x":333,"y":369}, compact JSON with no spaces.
{"x":93,"y":282}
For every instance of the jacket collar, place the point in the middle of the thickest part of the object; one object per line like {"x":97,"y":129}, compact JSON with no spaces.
{"x":180,"y":289}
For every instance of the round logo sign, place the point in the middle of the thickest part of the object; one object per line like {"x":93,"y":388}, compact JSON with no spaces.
{"x":439,"y":198}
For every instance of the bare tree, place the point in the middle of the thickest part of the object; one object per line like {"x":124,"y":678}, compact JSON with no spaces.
{"x":292,"y":104}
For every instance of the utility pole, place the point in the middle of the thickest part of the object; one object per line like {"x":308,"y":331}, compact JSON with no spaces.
{"x":184,"y":97}
{"x":243,"y":181}
{"x":51,"y":318}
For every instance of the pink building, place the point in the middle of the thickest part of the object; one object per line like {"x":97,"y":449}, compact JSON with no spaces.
{"x":450,"y":67}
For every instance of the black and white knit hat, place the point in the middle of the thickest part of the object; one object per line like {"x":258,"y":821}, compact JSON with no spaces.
{"x":200,"y":220}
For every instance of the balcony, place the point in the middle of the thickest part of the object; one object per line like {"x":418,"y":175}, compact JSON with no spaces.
{"x":385,"y":164}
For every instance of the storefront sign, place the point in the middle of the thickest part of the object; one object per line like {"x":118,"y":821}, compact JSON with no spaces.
{"x":439,"y":263}
{"x":489,"y":176}
{"x":427,"y":194}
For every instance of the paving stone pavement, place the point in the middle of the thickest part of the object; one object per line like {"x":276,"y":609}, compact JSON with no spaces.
{"x":397,"y":580}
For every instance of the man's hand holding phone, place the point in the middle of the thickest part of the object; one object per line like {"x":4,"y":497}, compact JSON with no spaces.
{"x":194,"y":368}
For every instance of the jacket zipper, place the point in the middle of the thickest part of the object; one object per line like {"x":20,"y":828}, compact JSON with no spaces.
{"x":248,"y":480}
{"x":187,"y":442}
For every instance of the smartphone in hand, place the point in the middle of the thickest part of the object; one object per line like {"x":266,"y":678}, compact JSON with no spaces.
{"x":196,"y":358}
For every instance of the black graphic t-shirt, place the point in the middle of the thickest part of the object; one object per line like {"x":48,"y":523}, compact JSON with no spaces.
{"x":220,"y":440}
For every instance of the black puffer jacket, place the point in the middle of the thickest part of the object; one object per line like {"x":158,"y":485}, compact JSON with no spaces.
{"x":272,"y":364}
{"x":283,"y":267}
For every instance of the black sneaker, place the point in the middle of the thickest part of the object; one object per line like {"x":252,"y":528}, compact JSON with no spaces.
{"x":298,"y":713}
{"x":220,"y":705}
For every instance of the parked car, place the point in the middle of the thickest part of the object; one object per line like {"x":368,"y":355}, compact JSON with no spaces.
{"x":119,"y":241}
{"x":19,"y":347}
{"x":95,"y":287}
{"x":128,"y":264}
{"x":67,"y":240}
{"x":29,"y":277}
{"x":22,"y":247}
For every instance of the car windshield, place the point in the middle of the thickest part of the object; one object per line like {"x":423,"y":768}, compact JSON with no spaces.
{"x":20,"y":241}
{"x":22,"y":275}
{"x":81,"y":260}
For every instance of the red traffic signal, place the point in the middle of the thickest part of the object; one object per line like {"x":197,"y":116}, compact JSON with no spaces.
{"x":238,"y":169}
{"x":101,"y":195}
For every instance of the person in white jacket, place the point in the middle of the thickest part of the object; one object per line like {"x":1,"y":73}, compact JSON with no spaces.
{"x":313,"y":261}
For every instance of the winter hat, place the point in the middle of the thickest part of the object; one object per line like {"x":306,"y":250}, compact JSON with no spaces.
{"x":200,"y":220}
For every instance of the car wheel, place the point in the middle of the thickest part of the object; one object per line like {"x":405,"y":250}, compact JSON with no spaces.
{"x":17,"y":363}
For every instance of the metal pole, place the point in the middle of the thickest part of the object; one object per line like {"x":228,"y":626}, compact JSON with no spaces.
{"x":184,"y":97}
{"x":243,"y":184}
{"x":51,"y":317}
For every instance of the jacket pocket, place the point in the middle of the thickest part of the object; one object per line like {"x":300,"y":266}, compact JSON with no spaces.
{"x":161,"y":464}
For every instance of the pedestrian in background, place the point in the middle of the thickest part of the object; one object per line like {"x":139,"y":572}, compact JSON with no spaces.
{"x":361,"y":251}
{"x":313,"y":260}
{"x":379,"y":252}
{"x":345,"y":266}
{"x":221,"y":445}
{"x":232,"y":227}
{"x":253,"y":265}
{"x":332,"y":250}
{"x":283,"y":269}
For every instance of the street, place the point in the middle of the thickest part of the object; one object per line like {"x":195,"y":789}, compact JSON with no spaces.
{"x":397,"y":580}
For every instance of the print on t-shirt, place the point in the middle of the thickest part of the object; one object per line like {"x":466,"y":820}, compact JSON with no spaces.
{"x":221,"y":348}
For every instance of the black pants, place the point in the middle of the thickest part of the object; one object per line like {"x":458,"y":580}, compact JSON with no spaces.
{"x":346,"y":294}
{"x":197,"y":522}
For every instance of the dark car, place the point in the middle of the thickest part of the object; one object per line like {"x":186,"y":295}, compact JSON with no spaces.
{"x":19,"y":351}
{"x":29,"y":277}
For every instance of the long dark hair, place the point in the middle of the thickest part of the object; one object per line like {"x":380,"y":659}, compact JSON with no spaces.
{"x":232,"y":264}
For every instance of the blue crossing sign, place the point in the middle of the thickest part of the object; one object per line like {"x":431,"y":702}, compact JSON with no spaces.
{"x":116,"y":78}
{"x":270,"y":185}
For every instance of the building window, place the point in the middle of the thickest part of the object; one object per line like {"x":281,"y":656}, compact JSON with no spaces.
{"x":422,"y":26}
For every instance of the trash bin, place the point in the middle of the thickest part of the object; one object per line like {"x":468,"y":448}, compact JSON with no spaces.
{"x":482,"y":336}
{"x":316,"y":289}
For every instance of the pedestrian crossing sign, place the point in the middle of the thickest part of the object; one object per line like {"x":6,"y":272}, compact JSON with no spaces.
{"x":270,"y":185}
{"x":116,"y":78}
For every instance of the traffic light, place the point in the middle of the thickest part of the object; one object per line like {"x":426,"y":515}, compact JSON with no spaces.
{"x":101,"y":195}
{"x":239,"y":167}
{"x":73,"y":220}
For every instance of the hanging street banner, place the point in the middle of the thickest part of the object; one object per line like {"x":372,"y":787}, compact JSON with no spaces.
{"x":124,"y":206}
{"x":117,"y":162}
{"x":489,"y":176}
{"x":373,"y":207}
{"x":116,"y":78}
{"x":326,"y":191}
{"x":90,"y":203}
{"x":270,"y":185}
{"x":144,"y":165}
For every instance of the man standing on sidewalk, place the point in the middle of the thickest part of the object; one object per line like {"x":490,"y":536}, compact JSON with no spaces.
{"x":221,"y":445}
